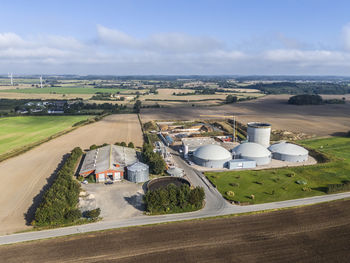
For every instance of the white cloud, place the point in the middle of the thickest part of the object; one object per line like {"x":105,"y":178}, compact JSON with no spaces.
{"x":161,"y":42}
{"x":116,"y":52}
{"x":346,"y":36}
{"x":11,"y":40}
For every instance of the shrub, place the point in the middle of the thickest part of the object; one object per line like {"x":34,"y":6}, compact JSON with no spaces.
{"x":93,"y":147}
{"x":292,"y":174}
{"x":174,"y":199}
{"x":73,"y":215}
{"x":93,"y":214}
{"x":230,"y":193}
{"x":131,"y":145}
{"x":234,"y":184}
{"x":123,"y":144}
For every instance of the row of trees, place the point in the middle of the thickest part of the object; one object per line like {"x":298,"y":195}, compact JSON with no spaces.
{"x":301,"y":88}
{"x":334,"y":188}
{"x":174,"y":199}
{"x":154,"y":160}
{"x":305,"y":99}
{"x":59,"y":203}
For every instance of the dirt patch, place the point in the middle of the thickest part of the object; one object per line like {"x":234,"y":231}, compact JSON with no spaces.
{"x":23,"y":176}
{"x":308,"y":234}
{"x":312,"y":119}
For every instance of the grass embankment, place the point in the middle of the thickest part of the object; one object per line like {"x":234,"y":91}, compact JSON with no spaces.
{"x":271,"y":185}
{"x":18,"y":134}
{"x":63,"y":90}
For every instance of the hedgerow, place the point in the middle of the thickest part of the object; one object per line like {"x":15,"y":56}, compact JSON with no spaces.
{"x":60,"y":201}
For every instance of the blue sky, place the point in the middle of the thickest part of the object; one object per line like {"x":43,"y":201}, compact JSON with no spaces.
{"x":175,"y":37}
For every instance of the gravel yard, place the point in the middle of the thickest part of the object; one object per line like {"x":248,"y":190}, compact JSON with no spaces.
{"x":119,"y":200}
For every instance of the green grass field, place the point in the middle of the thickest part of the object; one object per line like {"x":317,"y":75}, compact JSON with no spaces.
{"x":16,"y":132}
{"x":63,"y":90}
{"x":280,"y":184}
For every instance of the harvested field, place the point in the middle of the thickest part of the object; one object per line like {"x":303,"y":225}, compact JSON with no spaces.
{"x":36,"y":96}
{"x":307,"y":234}
{"x":23,"y":177}
{"x":320,"y":120}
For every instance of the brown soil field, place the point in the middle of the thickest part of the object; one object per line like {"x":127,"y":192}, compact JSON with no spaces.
{"x":307,"y":234}
{"x":34,"y":96}
{"x":320,"y":120}
{"x":24,"y":176}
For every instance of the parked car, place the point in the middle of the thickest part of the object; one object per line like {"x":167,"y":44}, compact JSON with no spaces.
{"x":109,"y":182}
{"x":85,"y":182}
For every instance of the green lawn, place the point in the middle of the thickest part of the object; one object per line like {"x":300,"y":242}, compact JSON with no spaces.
{"x":280,"y":184}
{"x":63,"y":90}
{"x":16,"y":132}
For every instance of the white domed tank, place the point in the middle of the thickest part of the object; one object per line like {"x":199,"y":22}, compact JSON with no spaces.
{"x":289,"y":152}
{"x":212,"y":156}
{"x":252,"y":151}
{"x":259,"y":132}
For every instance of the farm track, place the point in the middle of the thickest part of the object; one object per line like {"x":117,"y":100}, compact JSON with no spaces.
{"x":320,"y":120}
{"x":24,"y":176}
{"x":307,"y":234}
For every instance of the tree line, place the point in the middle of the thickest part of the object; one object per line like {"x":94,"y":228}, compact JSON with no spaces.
{"x":174,"y":199}
{"x":59,"y":204}
{"x":311,"y":99}
{"x":154,"y":160}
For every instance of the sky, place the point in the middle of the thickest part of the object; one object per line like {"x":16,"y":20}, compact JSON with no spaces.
{"x":166,"y":37}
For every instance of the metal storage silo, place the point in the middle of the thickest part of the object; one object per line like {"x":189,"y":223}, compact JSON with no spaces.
{"x":259,"y":132}
{"x":138,"y":172}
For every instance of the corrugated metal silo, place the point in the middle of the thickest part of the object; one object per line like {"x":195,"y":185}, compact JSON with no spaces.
{"x":138,"y":172}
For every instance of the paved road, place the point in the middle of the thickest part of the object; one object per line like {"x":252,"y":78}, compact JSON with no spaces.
{"x":215,"y":206}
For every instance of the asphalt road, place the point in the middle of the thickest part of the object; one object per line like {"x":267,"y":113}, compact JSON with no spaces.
{"x":215,"y":206}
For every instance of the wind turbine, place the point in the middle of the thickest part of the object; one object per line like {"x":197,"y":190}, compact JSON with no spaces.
{"x":11,"y":77}
{"x":41,"y":82}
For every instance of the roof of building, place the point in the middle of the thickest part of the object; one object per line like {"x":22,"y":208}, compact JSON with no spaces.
{"x":251,"y":149}
{"x":110,"y":157}
{"x":212,"y":152}
{"x":194,"y":142}
{"x":288,"y":148}
{"x":259,"y":125}
{"x":137,"y":167}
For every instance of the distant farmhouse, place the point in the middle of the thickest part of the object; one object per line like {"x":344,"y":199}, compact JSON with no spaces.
{"x":110,"y":163}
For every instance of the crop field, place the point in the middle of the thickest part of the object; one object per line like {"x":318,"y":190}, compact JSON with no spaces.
{"x":16,"y":132}
{"x":274,"y":109}
{"x":318,"y":233}
{"x":25,"y":175}
{"x":61,"y":90}
{"x":281,"y":184}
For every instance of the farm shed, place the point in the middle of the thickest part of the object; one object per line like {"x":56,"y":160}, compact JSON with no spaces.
{"x":108,"y":163}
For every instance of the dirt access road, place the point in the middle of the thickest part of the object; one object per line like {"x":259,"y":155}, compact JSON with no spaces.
{"x":307,"y":234}
{"x":24,"y":176}
{"x":321,"y":120}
